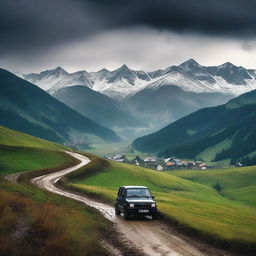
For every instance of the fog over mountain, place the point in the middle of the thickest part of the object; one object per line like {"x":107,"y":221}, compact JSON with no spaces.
{"x":222,"y":133}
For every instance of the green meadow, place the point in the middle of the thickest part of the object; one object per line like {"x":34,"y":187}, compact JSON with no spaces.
{"x":21,"y":152}
{"x":237,"y":184}
{"x":20,"y":159}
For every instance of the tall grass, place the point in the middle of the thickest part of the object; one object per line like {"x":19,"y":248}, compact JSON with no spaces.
{"x":28,"y":227}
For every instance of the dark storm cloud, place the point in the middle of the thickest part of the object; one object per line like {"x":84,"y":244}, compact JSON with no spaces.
{"x":31,"y":24}
{"x":26,"y":25}
{"x":231,"y":17}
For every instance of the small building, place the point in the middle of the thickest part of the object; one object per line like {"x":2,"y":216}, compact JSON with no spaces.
{"x":170,"y":165}
{"x":119,"y":160}
{"x":167,"y":159}
{"x":159,"y":167}
{"x":191,"y":164}
{"x":238,"y":164}
{"x":137,"y":162}
{"x":202,"y":166}
{"x":119,"y":156}
{"x":149,"y":160}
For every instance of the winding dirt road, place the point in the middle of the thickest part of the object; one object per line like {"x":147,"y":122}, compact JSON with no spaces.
{"x":150,"y":237}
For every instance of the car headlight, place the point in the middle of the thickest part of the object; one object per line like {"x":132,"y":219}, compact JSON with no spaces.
{"x":153,"y":205}
{"x":131,"y":205}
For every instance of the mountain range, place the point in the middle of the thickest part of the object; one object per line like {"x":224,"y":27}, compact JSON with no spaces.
{"x":143,"y":102}
{"x":124,"y":82}
{"x":76,"y":107}
{"x":27,"y":108}
{"x":223,"y":133}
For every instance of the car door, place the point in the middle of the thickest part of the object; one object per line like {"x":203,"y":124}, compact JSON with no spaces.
{"x":119,"y":199}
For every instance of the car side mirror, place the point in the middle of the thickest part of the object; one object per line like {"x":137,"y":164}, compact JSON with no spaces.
{"x":153,"y":197}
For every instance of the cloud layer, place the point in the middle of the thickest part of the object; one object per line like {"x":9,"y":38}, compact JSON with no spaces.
{"x":33,"y":28}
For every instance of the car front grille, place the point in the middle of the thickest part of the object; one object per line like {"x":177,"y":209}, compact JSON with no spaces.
{"x":142,"y":205}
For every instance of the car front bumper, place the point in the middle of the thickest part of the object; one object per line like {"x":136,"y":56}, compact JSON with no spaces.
{"x":146,"y":211}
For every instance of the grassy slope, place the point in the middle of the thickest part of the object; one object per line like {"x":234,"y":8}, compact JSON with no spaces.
{"x":20,"y":159}
{"x":14,"y":138}
{"x":194,"y":205}
{"x":46,"y":224}
{"x":236,"y":183}
{"x":21,"y":152}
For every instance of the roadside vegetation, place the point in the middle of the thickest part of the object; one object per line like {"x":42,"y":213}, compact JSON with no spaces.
{"x":197,"y":208}
{"x":45,"y":224}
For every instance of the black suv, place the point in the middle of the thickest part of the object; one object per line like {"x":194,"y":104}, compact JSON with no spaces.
{"x":135,"y":200}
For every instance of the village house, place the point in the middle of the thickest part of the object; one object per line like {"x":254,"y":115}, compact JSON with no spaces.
{"x":170,"y":165}
{"x":116,"y":158}
{"x":160,"y":167}
{"x":149,"y":160}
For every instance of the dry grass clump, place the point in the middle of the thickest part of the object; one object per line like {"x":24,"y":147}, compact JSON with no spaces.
{"x":28,"y":227}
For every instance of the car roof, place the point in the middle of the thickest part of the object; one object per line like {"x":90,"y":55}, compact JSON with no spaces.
{"x":133,"y":187}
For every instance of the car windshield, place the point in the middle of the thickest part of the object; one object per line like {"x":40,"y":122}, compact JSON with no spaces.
{"x":138,"y":192}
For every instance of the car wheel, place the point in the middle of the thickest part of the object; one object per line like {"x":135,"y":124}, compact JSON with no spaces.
{"x":154,"y":216}
{"x":117,"y":212}
{"x":126,"y":215}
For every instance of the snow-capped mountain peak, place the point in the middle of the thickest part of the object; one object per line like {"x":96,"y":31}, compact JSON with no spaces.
{"x":123,"y":82}
{"x":227,"y":65}
{"x":190,"y":64}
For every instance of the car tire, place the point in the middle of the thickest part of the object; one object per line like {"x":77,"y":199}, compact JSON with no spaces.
{"x":126,"y":215}
{"x":154,"y":216}
{"x":117,"y":212}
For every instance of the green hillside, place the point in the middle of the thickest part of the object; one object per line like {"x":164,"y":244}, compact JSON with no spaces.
{"x":11,"y":137}
{"x":226,"y":132}
{"x":188,"y":203}
{"x":27,"y":108}
{"x":22,"y":152}
{"x":96,"y":106}
{"x":234,"y":183}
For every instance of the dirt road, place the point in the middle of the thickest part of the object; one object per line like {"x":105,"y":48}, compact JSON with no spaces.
{"x":151,"y":237}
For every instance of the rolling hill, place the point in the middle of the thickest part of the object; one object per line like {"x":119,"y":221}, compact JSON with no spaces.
{"x":27,"y":108}
{"x":225,"y":132}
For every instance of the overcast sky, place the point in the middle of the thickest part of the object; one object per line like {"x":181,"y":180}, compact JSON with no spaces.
{"x":144,"y":34}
